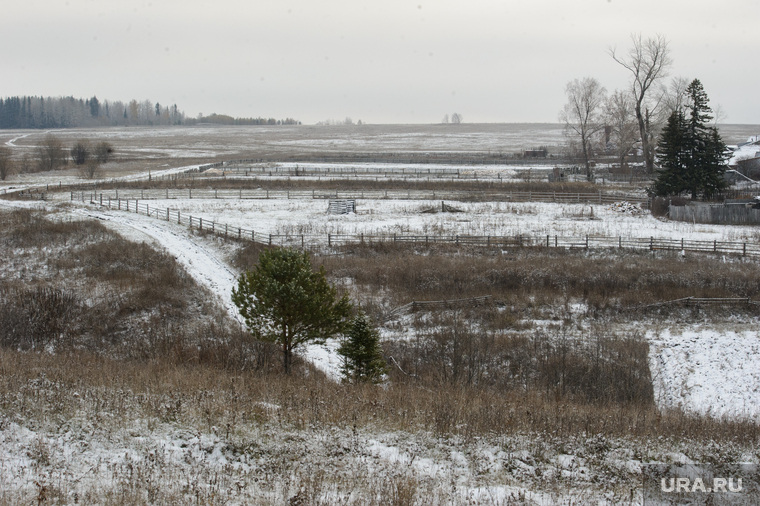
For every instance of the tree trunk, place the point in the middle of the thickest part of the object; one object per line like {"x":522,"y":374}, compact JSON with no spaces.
{"x":287,"y":357}
{"x":646,"y":148}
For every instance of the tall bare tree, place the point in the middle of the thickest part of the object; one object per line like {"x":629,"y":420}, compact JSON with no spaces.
{"x":582,"y":114}
{"x":648,"y":62}
{"x":621,"y":120}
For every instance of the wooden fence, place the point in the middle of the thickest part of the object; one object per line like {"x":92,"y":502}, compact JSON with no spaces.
{"x":704,"y":301}
{"x":437,"y":305}
{"x":718,"y":214}
{"x":320,"y":241}
{"x":599,"y":198}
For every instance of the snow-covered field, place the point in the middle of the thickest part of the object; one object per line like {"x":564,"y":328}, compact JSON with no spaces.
{"x":283,"y":216}
{"x":681,"y":379}
{"x":709,"y":371}
{"x":698,"y":367}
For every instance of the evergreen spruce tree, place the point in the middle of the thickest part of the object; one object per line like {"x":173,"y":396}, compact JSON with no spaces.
{"x":691,"y":153}
{"x":362,"y":358}
{"x":673,"y":156}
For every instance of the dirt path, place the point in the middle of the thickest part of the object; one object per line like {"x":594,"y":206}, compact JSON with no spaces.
{"x":207,"y":267}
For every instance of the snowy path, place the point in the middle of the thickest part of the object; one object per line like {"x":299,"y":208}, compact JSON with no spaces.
{"x":202,"y":263}
{"x":206,"y":265}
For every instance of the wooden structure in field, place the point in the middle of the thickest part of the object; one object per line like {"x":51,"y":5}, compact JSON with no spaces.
{"x":341,"y":206}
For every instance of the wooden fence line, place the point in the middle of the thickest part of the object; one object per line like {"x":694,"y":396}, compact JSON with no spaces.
{"x":598,"y":198}
{"x":703,"y":301}
{"x":715,"y":214}
{"x":429,"y":305}
{"x":317,"y":241}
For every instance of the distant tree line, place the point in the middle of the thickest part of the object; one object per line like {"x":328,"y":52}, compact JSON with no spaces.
{"x":223,"y":119}
{"x":70,"y":112}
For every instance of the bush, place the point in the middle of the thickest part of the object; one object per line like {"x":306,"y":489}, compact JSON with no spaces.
{"x":31,"y":319}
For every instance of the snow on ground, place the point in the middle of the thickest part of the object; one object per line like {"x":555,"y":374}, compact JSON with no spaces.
{"x":704,"y":384}
{"x":206,"y":264}
{"x":703,"y":370}
{"x":202,"y":263}
{"x":291,"y":216}
{"x":707,"y":370}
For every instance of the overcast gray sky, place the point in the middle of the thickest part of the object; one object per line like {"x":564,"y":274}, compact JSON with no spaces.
{"x":379,"y":61}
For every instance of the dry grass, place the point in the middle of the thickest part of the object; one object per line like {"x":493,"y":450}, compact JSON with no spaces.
{"x":136,"y":355}
{"x":295,"y":183}
{"x":529,"y":278}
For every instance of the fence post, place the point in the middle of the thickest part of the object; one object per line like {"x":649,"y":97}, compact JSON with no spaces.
{"x":270,"y":239}
{"x":744,"y":249}
{"x":651,"y":243}
{"x":329,"y":240}
{"x":179,"y":221}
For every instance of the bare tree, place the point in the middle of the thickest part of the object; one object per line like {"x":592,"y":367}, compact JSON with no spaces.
{"x":582,"y":114}
{"x":51,"y":155}
{"x":6,"y":167}
{"x":90,"y":169}
{"x":648,"y":62}
{"x":456,"y":118}
{"x":80,"y":153}
{"x":103,"y":151}
{"x":620,"y":117}
{"x":673,"y":97}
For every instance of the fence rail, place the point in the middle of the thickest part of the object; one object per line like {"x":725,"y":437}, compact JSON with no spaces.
{"x":703,"y":301}
{"x":599,"y":198}
{"x":319,"y":241}
{"x":431,"y":305}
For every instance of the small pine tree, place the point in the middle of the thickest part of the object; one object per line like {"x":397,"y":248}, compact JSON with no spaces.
{"x":284,"y":301}
{"x":362,"y":358}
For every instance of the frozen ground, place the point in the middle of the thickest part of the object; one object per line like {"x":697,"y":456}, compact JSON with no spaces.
{"x":283,"y":216}
{"x":700,"y":368}
{"x":708,"y":370}
{"x":705,"y":370}
{"x":694,"y":368}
